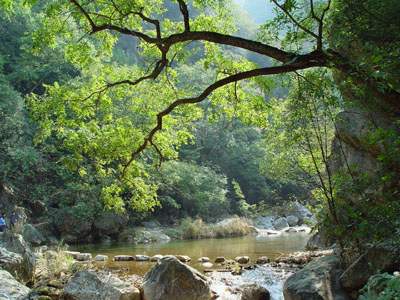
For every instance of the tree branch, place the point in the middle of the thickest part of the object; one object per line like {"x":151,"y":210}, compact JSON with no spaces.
{"x":307,"y":61}
{"x":289,"y":15}
{"x":185,"y":13}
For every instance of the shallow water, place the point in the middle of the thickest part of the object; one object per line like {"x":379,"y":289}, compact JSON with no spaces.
{"x":252,"y":246}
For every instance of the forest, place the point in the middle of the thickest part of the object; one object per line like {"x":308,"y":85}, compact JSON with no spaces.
{"x":130,"y":123}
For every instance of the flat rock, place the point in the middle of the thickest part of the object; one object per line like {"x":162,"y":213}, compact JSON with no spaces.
{"x":219,"y":259}
{"x":100,"y":257}
{"x":124,"y":258}
{"x":183,"y":258}
{"x":140,"y":257}
{"x":203,"y":259}
{"x":242,"y":259}
{"x":156,"y":257}
{"x":84,"y":257}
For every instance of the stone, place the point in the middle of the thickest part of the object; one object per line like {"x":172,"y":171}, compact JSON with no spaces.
{"x":292,"y":220}
{"x":10,"y":261}
{"x":262,"y":260}
{"x":145,"y":236}
{"x":291,"y":230}
{"x":124,"y":258}
{"x":16,"y":243}
{"x":265,"y":222}
{"x":86,"y":285}
{"x":183,"y":258}
{"x":280,"y":223}
{"x":84,"y":257}
{"x":219,"y":260}
{"x":203,"y":259}
{"x":100,"y":257}
{"x":242,"y":259}
{"x":151,"y":224}
{"x":318,"y":280}
{"x":171,"y":279}
{"x":10,"y":288}
{"x":142,"y":258}
{"x":32,"y":235}
{"x":74,"y":254}
{"x":207,"y":265}
{"x":254,"y":292}
{"x":156,"y":257}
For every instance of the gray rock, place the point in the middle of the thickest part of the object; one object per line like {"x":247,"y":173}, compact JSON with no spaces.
{"x":265,"y":222}
{"x":291,"y":230}
{"x":280,"y":223}
{"x":11,"y":289}
{"x":74,"y":254}
{"x":183,"y":258}
{"x":144,"y":236}
{"x":124,"y":258}
{"x":10,"y":261}
{"x":171,"y":279}
{"x":262,"y":260}
{"x":207,"y":265}
{"x":219,"y":259}
{"x":242,"y":259}
{"x":100,"y":257}
{"x":151,"y":224}
{"x":16,"y":243}
{"x":318,"y":280}
{"x":32,"y":235}
{"x":203,"y":259}
{"x":254,"y":292}
{"x":156,"y":257}
{"x":142,"y":258}
{"x":87,"y":285}
{"x":83,"y":257}
{"x":292,"y":220}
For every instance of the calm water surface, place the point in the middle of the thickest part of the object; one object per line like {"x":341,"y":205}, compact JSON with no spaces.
{"x":252,"y":246}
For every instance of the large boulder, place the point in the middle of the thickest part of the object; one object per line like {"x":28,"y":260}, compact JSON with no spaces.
{"x":16,"y":243}
{"x":171,"y":279}
{"x":11,"y":288}
{"x":110,"y":224}
{"x":318,"y":280}
{"x":144,"y":236}
{"x":280,"y":223}
{"x":86,"y":285}
{"x":292,"y":220}
{"x":10,"y":261}
{"x":32,"y":235}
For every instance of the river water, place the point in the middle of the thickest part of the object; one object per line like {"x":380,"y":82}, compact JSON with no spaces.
{"x":224,"y":284}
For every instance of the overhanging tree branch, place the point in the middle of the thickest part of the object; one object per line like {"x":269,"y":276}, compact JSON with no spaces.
{"x":308,"y":61}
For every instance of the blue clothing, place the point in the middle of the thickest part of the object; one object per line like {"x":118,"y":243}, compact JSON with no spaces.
{"x":2,"y":222}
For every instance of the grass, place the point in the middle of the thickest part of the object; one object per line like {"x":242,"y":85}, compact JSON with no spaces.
{"x":54,"y":262}
{"x":198,"y":229}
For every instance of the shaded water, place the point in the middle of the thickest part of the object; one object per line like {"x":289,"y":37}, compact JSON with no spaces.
{"x":252,"y":246}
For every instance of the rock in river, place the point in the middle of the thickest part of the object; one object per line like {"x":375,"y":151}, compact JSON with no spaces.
{"x":219,"y":260}
{"x":100,"y":257}
{"x":142,"y":257}
{"x":203,"y":259}
{"x":318,"y":280}
{"x":292,"y":220}
{"x":262,"y":260}
{"x":156,"y":257}
{"x":280,"y":223}
{"x":124,"y":258}
{"x":242,"y":259}
{"x":171,"y":279}
{"x":183,"y":258}
{"x":254,"y":292}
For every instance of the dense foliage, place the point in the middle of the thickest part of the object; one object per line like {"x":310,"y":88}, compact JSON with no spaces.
{"x":143,"y":106}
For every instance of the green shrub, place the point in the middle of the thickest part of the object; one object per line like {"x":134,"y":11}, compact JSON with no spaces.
{"x":381,"y":287}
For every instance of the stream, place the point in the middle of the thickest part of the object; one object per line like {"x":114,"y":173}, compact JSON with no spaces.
{"x":224,"y":284}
